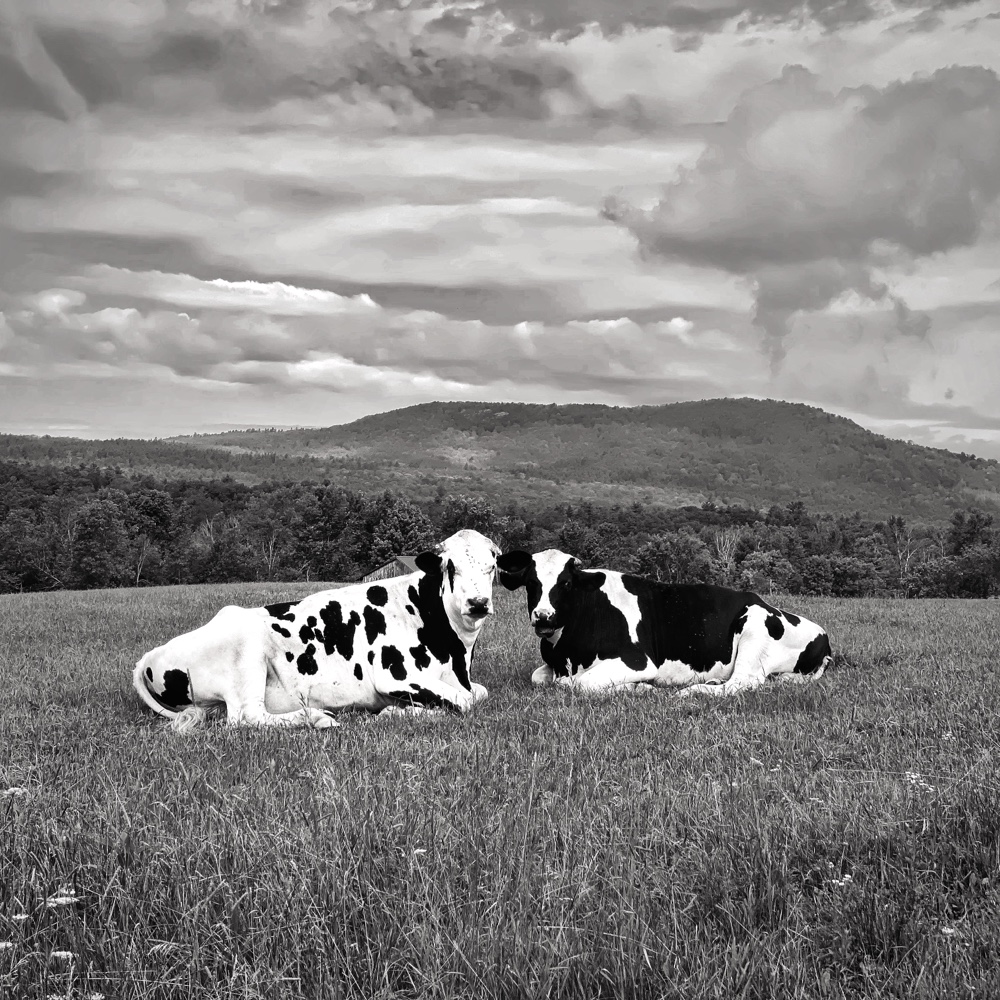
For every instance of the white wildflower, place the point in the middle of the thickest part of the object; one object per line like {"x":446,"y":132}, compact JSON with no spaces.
{"x":19,"y":917}
{"x":63,"y":896}
{"x":13,"y":791}
{"x":63,"y":956}
{"x":916,"y":780}
{"x":6,"y":945}
{"x":949,"y":931}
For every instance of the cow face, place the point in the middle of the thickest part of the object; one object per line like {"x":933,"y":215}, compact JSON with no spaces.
{"x":466,"y":563}
{"x":550,"y":579}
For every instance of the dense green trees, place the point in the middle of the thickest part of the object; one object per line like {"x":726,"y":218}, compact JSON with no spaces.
{"x":83,"y":527}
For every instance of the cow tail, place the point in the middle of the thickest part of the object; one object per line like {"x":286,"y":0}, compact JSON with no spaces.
{"x":184,"y":720}
{"x":141,"y":685}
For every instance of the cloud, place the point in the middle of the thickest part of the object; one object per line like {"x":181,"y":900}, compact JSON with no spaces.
{"x":274,"y":298}
{"x":306,"y":349}
{"x":361,"y":64}
{"x":569,"y":16}
{"x":29,"y":77}
{"x":810,"y":194}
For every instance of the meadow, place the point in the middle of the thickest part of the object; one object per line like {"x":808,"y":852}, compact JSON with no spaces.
{"x":839,"y":839}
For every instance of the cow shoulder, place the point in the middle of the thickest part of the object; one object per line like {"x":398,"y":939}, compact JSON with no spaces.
{"x":435,"y":633}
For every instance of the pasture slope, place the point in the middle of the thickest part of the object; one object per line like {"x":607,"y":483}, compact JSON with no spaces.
{"x":839,"y":840}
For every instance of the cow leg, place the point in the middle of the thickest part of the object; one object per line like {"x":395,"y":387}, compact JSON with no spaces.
{"x":257,"y":715}
{"x":432,"y":693}
{"x":719,"y":690}
{"x":543,"y":676}
{"x":748,"y":666}
{"x":606,"y":675}
{"x":245,"y":702}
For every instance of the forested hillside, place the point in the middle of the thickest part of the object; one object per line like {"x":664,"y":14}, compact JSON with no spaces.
{"x":82,"y":527}
{"x":728,"y":451}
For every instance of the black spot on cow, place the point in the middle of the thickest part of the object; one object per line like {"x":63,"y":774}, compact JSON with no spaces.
{"x":374,"y":624}
{"x":775,"y":626}
{"x":435,"y":632}
{"x":378,"y":596}
{"x":358,"y":671}
{"x":282,"y":610}
{"x":418,"y":695}
{"x":149,"y":673}
{"x":371,"y":655}
{"x":812,"y":657}
{"x":281,"y":630}
{"x":307,"y":634}
{"x":420,"y":657}
{"x":175,"y":688}
{"x":307,"y":660}
{"x":409,"y":608}
{"x":289,"y":655}
{"x":792,"y":620}
{"x":337,"y":634}
{"x":696,"y":624}
{"x":451,"y":574}
{"x":392,"y":660}
{"x":592,"y":627}
{"x":175,"y":691}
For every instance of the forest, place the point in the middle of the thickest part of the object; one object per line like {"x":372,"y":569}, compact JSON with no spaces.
{"x":83,"y":526}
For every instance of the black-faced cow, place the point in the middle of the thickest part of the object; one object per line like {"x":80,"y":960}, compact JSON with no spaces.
{"x":601,"y":629}
{"x":402,"y":642}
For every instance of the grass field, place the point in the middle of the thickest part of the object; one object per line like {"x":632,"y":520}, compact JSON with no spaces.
{"x":832,"y":840}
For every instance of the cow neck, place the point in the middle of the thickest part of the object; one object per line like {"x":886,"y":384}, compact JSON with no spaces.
{"x":464,"y":632}
{"x":448,"y":640}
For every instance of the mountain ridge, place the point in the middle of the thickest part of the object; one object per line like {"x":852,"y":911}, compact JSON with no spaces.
{"x":747,"y":451}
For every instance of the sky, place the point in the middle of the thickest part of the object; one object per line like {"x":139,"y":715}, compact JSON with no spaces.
{"x":227,"y":213}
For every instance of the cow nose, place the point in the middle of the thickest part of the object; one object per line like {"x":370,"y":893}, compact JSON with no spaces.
{"x":542,"y":620}
{"x":479,"y":606}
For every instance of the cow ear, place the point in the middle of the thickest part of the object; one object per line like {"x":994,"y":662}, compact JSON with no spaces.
{"x":513,"y":567}
{"x":429,"y":562}
{"x":585,"y":580}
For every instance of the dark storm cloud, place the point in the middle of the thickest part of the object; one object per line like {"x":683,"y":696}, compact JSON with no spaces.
{"x":569,"y":16}
{"x":253,"y":55}
{"x":808,"y":193}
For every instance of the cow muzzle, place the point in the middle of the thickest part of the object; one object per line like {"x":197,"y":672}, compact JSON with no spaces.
{"x":479,"y":607}
{"x":544,"y":624}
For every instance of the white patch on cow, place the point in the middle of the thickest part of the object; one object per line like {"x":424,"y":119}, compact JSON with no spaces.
{"x":273,"y":669}
{"x":548,"y":565}
{"x":625,"y":601}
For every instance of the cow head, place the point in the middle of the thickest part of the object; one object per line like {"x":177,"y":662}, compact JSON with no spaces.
{"x":466,"y":562}
{"x":550,"y":579}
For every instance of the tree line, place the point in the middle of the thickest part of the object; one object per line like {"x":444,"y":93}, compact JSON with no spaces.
{"x":83,"y":527}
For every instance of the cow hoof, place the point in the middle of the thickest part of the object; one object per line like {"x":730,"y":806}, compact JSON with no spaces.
{"x":400,"y":710}
{"x":324,"y":721}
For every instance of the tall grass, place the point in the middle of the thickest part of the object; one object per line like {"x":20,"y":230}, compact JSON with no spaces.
{"x":840,"y":839}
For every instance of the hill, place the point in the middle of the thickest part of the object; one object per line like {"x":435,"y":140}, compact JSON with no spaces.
{"x":755,"y":452}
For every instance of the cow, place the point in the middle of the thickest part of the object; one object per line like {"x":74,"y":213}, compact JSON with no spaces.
{"x":399,"y":644}
{"x":604,"y":630}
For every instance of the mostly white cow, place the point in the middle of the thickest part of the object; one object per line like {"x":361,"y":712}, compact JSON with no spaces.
{"x":601,"y":629}
{"x":399,"y":643}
